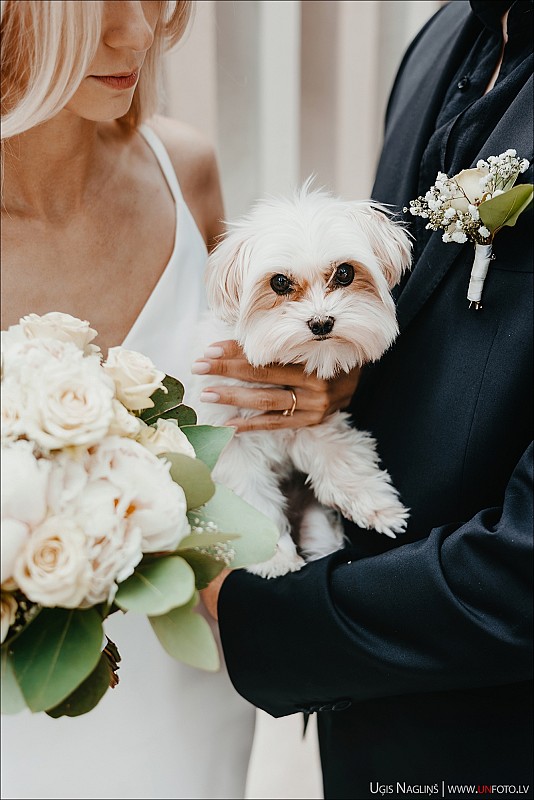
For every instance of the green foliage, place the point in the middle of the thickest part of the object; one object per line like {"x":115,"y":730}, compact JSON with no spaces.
{"x":187,"y":636}
{"x":205,"y":567}
{"x":257,"y":533}
{"x":87,"y":695}
{"x":164,"y":402}
{"x":506,"y":208}
{"x":157,"y":587}
{"x":208,"y":441}
{"x":193,"y":476}
{"x":12,"y":698}
{"x":55,"y":654}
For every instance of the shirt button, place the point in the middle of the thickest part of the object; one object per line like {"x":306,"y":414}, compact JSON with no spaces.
{"x":464,"y":83}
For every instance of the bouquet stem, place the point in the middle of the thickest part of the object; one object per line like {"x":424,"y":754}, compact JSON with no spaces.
{"x":479,"y":271}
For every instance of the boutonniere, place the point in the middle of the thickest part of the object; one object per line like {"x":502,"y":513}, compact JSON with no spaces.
{"x":473,"y":206}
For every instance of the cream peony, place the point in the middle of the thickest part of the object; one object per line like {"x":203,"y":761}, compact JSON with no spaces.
{"x":156,"y":504}
{"x":72,"y":406}
{"x":165,"y":437}
{"x":113,"y":543}
{"x":12,"y":402}
{"x":8,"y":610}
{"x":52,"y":569}
{"x":63,"y":327}
{"x":24,"y":484}
{"x":14,"y":535}
{"x":135,"y":376}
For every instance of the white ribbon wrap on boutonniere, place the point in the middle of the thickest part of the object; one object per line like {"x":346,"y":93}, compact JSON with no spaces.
{"x":473,"y":206}
{"x":479,"y":270}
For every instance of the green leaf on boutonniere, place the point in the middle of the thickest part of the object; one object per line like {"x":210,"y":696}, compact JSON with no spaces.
{"x":193,"y":476}
{"x":55,"y":654}
{"x":157,"y":587}
{"x":187,"y":636}
{"x":208,"y":441}
{"x":257,"y":534}
{"x":506,"y":208}
{"x":87,"y":695}
{"x":12,"y":698}
{"x":164,"y":402}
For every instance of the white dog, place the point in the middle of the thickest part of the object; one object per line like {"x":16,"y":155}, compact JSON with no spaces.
{"x":307,"y":280}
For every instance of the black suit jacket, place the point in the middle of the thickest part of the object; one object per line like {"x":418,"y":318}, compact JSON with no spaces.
{"x":416,"y":653}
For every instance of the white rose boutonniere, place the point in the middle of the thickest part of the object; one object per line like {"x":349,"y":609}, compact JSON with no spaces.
{"x":473,"y":206}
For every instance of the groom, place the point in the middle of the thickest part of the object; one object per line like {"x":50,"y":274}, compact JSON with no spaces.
{"x":415,"y":653}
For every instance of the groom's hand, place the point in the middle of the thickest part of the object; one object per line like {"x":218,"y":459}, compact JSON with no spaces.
{"x":210,"y":595}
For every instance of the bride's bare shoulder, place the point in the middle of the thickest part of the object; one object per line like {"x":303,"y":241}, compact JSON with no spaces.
{"x":195,"y":163}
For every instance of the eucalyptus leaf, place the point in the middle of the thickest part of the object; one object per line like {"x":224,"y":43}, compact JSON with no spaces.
{"x":193,"y":476}
{"x":205,"y":567}
{"x":184,"y":416}
{"x":187,"y":636}
{"x":87,"y":695}
{"x":208,"y":441}
{"x":203,"y":539}
{"x":12,"y":698}
{"x":157,"y":587}
{"x":55,"y":654}
{"x":258,"y":535}
{"x":506,"y":208}
{"x":164,"y":402}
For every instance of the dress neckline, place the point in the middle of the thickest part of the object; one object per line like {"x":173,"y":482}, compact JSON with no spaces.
{"x":164,"y":163}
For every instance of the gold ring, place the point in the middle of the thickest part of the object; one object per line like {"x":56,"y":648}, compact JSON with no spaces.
{"x":290,"y":411}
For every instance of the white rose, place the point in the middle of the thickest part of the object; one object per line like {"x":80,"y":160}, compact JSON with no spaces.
{"x":123,"y":423}
{"x":71,"y":407}
{"x":471,"y":189}
{"x":53,"y":569}
{"x":24,"y":484}
{"x":136,"y":378}
{"x":156,"y":504}
{"x":14,"y":535}
{"x":113,"y":542}
{"x":8,"y":609}
{"x":165,"y":437}
{"x":63,"y":327}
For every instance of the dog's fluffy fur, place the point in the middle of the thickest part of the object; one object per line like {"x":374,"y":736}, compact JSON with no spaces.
{"x":306,"y":237}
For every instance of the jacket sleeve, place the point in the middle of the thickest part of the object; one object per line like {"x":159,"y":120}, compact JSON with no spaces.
{"x":452,"y":611}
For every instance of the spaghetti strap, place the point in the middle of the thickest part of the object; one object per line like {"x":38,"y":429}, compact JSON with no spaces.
{"x":159,"y":150}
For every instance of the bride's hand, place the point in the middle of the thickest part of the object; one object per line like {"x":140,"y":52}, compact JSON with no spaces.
{"x":315,"y":398}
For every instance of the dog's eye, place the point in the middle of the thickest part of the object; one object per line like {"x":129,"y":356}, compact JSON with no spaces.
{"x":281,"y":284}
{"x":344,"y":275}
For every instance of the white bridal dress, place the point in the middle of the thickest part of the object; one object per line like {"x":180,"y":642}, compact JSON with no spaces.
{"x":167,"y":730}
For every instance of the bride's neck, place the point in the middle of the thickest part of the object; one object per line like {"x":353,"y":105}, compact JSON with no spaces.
{"x":52,"y":168}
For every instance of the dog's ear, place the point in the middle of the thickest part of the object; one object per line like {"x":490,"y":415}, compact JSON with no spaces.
{"x":389,"y":240}
{"x":224,"y":275}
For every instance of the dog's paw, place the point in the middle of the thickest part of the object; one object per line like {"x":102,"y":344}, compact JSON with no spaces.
{"x":280,"y":564}
{"x":390,"y":520}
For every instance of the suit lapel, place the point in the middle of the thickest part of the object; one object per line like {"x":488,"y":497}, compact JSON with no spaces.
{"x":437,"y":257}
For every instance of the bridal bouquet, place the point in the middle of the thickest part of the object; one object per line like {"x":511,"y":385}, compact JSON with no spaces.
{"x":473,"y":206}
{"x":107,"y":504}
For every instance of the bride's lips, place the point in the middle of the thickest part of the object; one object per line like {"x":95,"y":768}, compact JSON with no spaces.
{"x":124,"y":81}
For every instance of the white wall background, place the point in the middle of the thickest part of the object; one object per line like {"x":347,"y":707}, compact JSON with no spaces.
{"x":286,"y":88}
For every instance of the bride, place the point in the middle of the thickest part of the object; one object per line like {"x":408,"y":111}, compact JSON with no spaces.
{"x":108,"y":213}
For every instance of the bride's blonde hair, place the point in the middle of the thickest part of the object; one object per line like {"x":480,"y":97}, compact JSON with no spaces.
{"x":47,"y":47}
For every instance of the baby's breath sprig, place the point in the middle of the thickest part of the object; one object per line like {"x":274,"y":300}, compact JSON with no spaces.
{"x":473,"y":205}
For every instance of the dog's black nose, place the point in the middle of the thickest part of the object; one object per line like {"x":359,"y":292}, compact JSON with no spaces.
{"x":320,"y":326}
